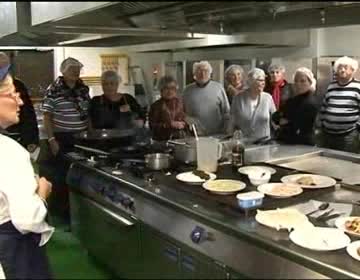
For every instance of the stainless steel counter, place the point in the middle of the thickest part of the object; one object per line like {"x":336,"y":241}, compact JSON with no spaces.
{"x":238,"y":242}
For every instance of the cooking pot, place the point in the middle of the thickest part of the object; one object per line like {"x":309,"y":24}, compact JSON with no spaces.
{"x":157,"y":161}
{"x":106,"y":137}
{"x":184,"y":149}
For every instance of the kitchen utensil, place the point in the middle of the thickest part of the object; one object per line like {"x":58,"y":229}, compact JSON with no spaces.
{"x":320,"y":238}
{"x":191,"y":178}
{"x":184,"y":149}
{"x":157,"y":161}
{"x":280,"y":190}
{"x":321,"y":207}
{"x":209,"y":151}
{"x":255,"y":168}
{"x":330,"y":217}
{"x":224,"y":187}
{"x":352,"y":249}
{"x":250,"y":199}
{"x":257,"y":178}
{"x":195,"y":132}
{"x":324,"y":215}
{"x":320,"y":181}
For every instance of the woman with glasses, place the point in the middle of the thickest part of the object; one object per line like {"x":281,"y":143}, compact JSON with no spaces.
{"x":251,"y":111}
{"x":23,"y":230}
{"x":167,"y":117}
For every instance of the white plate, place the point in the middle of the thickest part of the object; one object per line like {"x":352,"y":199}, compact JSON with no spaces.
{"x":191,"y":178}
{"x":256,"y":168}
{"x":320,"y":238}
{"x":288,"y":218}
{"x":224,"y":186}
{"x":340,"y":223}
{"x":270,"y":189}
{"x":351,"y":249}
{"x":320,"y":181}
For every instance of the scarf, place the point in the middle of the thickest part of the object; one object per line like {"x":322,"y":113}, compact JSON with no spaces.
{"x":276,"y":92}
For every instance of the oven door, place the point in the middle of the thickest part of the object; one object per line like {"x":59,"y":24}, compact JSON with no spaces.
{"x":113,"y":238}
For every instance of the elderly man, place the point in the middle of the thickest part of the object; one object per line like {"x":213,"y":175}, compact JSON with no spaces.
{"x":26,"y":131}
{"x":206,"y":101}
{"x":277,"y":86}
{"x":65,"y":107}
{"x":340,"y":111}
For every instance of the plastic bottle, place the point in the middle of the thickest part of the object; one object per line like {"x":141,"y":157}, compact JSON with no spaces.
{"x":238,"y":151}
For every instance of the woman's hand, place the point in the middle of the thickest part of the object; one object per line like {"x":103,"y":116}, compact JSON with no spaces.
{"x":283,"y":121}
{"x":178,"y":124}
{"x":54,"y":146}
{"x":44,"y":188}
{"x":124,"y":108}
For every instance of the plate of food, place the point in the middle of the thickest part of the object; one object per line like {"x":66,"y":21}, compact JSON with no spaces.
{"x":256,"y":169}
{"x":280,"y":190}
{"x":353,"y":249}
{"x":350,"y":225}
{"x":286,"y":218}
{"x":224,"y":187}
{"x":320,"y":238}
{"x":309,"y":181}
{"x":196,"y":177}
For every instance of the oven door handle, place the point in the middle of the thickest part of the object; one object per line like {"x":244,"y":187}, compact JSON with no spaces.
{"x":117,"y":217}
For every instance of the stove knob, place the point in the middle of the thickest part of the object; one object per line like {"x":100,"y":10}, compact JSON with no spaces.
{"x":198,"y":235}
{"x":127,"y":202}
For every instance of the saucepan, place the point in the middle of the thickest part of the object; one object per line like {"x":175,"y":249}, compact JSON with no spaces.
{"x":184,"y":149}
{"x":158,"y":161}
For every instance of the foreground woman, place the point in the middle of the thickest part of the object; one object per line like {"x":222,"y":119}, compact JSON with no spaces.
{"x":296,"y":119}
{"x":252,"y":110}
{"x":23,"y":230}
{"x":167,"y":117}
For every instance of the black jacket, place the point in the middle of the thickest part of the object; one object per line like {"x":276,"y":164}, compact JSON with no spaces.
{"x":26,"y":131}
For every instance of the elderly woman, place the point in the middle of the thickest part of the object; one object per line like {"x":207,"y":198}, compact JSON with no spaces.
{"x":205,"y":101}
{"x":113,"y":109}
{"x":167,"y":117}
{"x":23,"y":230}
{"x":234,"y":77}
{"x":251,"y":111}
{"x":277,"y":86}
{"x":297,"y":116}
{"x":340,"y":111}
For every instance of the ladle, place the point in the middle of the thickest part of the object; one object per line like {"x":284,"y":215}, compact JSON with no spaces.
{"x":321,"y":207}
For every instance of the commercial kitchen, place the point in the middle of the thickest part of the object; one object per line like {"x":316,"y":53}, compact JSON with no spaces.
{"x":144,"y":208}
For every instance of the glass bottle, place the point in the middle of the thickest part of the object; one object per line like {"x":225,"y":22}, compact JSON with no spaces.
{"x":238,"y":151}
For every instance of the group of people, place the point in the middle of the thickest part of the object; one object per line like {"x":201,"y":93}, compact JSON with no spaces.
{"x":259,"y":105}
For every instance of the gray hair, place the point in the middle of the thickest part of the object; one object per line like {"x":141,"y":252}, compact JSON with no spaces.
{"x":111,"y":75}
{"x":165,"y":80}
{"x":254,"y":74}
{"x":345,"y":60}
{"x":203,"y":63}
{"x":274,"y":67}
{"x":232,"y":68}
{"x":309,"y":74}
{"x":70,"y":61}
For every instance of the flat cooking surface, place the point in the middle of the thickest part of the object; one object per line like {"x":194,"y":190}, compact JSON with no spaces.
{"x":225,"y":172}
{"x":338,"y":168}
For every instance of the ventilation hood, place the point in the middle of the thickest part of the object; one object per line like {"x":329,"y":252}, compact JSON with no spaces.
{"x":152,"y":26}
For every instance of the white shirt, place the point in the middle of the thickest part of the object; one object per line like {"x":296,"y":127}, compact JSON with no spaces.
{"x":19,"y":201}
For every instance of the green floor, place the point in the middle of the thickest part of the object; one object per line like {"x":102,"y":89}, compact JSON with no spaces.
{"x":69,"y":260}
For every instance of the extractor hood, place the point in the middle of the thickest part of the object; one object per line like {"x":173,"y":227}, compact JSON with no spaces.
{"x":176,"y":24}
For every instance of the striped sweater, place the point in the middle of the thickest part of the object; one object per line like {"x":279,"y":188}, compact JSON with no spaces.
{"x":340,"y":109}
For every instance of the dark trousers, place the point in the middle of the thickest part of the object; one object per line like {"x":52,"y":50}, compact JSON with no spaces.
{"x":55,"y":169}
{"x":348,"y":142}
{"x":20,"y":254}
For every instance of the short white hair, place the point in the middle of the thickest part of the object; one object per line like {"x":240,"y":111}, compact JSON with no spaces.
{"x":254,"y":74}
{"x":345,"y":60}
{"x":274,"y":67}
{"x":309,"y":74}
{"x":204,"y":64}
{"x":232,"y":68}
{"x":111,"y":75}
{"x":69,"y":62}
